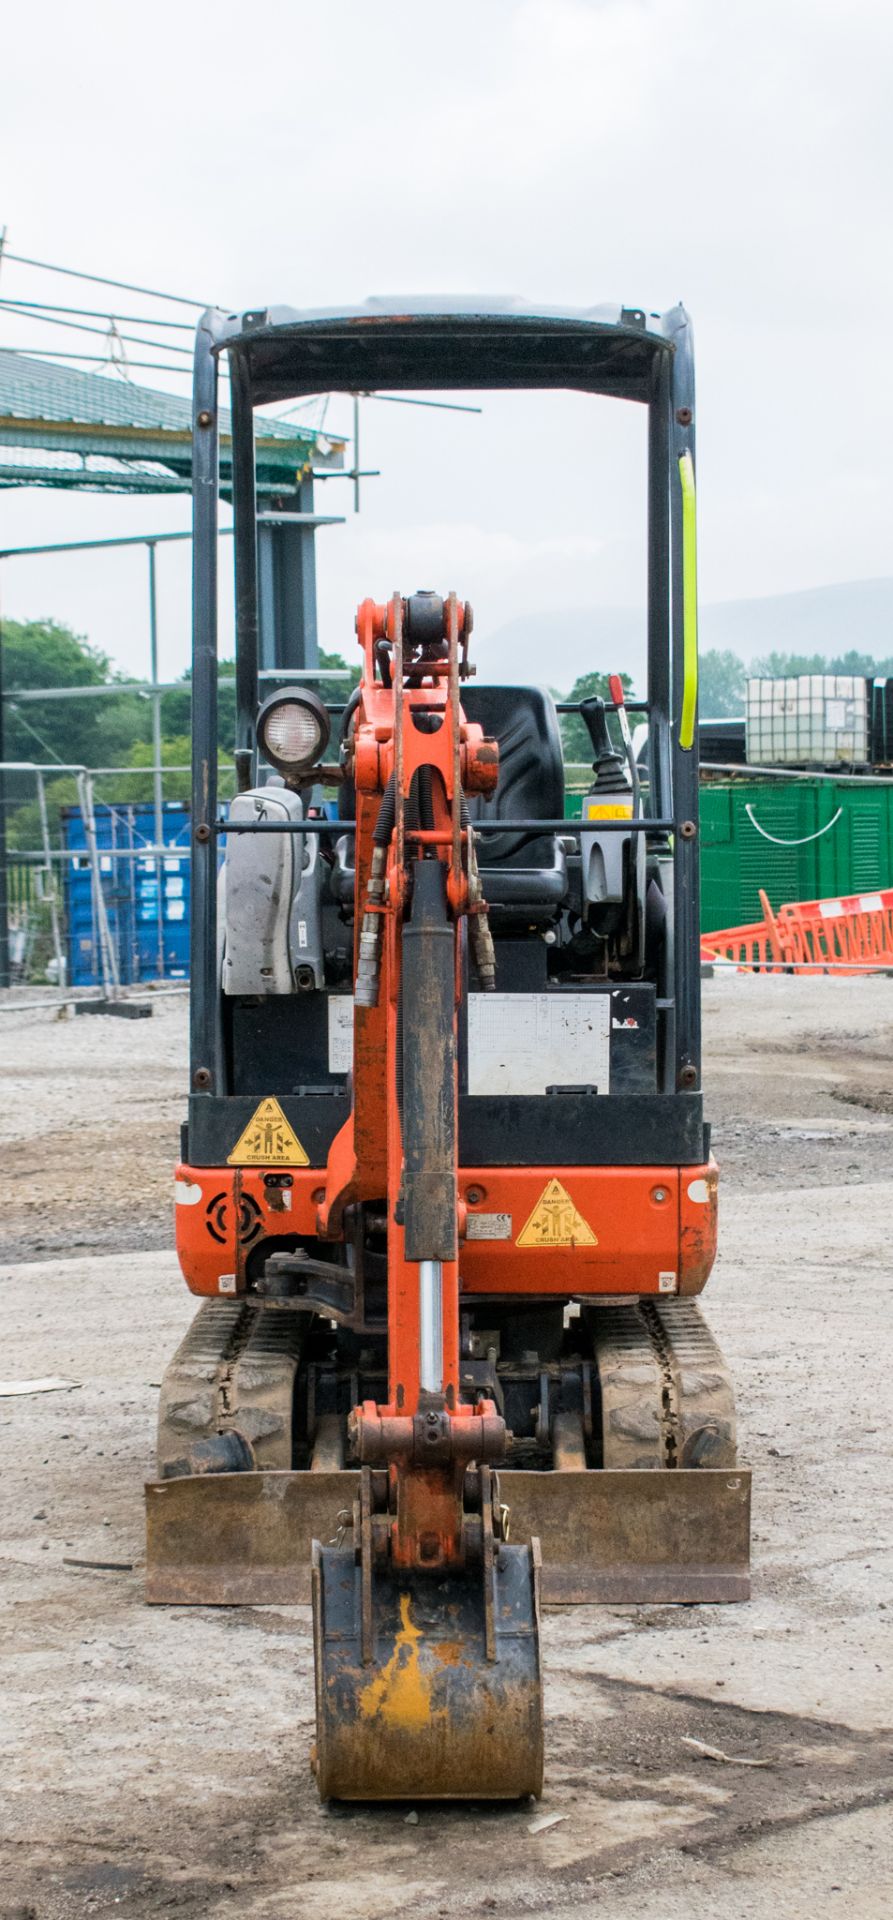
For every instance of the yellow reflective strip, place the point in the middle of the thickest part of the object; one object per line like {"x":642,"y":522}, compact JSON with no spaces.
{"x":689,"y":603}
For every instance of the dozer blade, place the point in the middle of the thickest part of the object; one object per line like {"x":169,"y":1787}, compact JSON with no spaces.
{"x":242,"y":1539}
{"x":431,"y":1690}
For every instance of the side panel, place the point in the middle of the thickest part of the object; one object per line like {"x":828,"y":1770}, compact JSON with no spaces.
{"x":586,"y":1230}
{"x":220,"y":1213}
{"x":698,"y":1222}
{"x":535,"y":1230}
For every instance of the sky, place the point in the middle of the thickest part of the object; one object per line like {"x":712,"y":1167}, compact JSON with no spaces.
{"x":733,"y":155}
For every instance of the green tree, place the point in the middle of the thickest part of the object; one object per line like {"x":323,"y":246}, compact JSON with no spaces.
{"x":337,"y":691}
{"x":23,"y":826}
{"x":175,"y":752}
{"x":176,"y":708}
{"x":111,"y":730}
{"x":43,"y":653}
{"x":778,"y":666}
{"x":105,"y":730}
{"x":858,"y":663}
{"x":722,"y":678}
{"x":575,"y":741}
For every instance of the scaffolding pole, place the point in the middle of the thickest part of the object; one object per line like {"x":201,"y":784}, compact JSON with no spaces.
{"x":156,"y":756}
{"x":108,"y":958}
{"x":51,"y":879}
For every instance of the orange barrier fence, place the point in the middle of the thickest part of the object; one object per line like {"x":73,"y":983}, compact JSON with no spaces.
{"x":747,"y":948}
{"x":853,"y":934}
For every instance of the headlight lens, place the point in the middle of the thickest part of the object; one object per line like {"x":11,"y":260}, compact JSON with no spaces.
{"x":293,"y":730}
{"x":292,"y":734}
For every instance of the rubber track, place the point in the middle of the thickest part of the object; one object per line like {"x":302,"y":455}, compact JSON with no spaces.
{"x":235,"y":1369}
{"x":666,"y":1395}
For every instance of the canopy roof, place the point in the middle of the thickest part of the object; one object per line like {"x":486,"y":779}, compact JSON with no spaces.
{"x":447,"y":343}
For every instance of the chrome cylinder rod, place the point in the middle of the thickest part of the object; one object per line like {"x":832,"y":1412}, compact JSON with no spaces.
{"x":431,"y":1326}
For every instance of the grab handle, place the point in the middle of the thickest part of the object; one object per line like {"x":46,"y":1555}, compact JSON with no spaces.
{"x":689,"y":603}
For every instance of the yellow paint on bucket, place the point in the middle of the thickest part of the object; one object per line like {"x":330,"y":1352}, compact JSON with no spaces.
{"x":400,"y":1694}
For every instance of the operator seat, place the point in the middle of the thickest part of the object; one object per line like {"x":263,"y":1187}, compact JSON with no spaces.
{"x":523,"y":878}
{"x":529,"y":875}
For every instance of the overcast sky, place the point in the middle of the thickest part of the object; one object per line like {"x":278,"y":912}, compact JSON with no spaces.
{"x":734,"y":155}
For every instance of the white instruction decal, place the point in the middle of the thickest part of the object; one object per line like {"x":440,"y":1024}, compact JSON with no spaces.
{"x":488,"y":1226}
{"x":526,"y":1042}
{"x":340,"y":1033}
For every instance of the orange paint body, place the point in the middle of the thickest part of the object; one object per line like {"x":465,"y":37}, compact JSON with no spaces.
{"x":366,"y":1158}
{"x":565,"y":1232}
{"x":639,"y":1236}
{"x":225,"y":1212}
{"x":222,"y":1212}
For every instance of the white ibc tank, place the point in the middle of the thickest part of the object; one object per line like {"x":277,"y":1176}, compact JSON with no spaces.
{"x":808,"y":720}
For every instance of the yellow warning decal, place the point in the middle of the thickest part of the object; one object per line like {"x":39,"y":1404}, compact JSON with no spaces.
{"x":599,"y":811}
{"x":556,"y":1222}
{"x":268,"y":1141}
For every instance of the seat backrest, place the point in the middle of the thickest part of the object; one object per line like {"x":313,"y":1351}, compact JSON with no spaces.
{"x":524,"y":722}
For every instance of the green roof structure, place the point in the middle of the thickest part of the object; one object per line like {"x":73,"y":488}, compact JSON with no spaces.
{"x":98,"y":433}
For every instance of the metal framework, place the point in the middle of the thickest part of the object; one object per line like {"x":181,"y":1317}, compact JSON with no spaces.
{"x":280,"y":354}
{"x":64,"y":428}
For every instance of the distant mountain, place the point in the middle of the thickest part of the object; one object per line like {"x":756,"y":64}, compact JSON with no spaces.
{"x":555,"y":646}
{"x":829,"y":620}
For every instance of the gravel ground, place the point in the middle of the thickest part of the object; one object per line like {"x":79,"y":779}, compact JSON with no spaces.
{"x":156,"y":1760}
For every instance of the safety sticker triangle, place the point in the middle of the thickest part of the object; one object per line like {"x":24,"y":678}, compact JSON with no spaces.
{"x":268,"y":1141}
{"x":556,"y":1222}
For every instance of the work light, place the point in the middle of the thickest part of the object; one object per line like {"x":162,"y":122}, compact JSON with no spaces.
{"x":293,"y":730}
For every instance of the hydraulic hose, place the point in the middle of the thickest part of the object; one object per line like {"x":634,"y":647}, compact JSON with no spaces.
{"x":478,"y":918}
{"x":369,"y":958}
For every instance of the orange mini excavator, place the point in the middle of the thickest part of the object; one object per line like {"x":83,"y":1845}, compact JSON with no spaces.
{"x":446,"y":1184}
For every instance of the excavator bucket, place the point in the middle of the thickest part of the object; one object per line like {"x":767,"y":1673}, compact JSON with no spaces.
{"x":427,"y":1688}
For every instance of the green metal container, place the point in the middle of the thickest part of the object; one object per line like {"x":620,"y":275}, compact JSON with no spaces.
{"x":825,"y":838}
{"x":828,"y":838}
